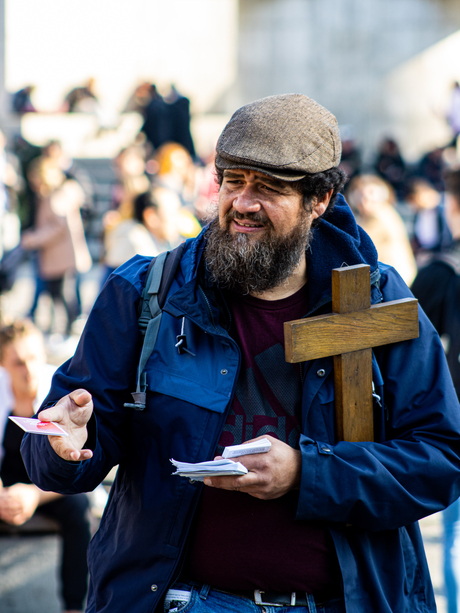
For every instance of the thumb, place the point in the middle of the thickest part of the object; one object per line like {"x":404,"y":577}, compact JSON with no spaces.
{"x":78,"y":399}
{"x":81,"y":397}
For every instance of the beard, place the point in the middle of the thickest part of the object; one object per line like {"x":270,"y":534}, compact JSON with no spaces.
{"x":251,"y":266}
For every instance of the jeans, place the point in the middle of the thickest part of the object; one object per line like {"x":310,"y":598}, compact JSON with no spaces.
{"x":451,"y":522}
{"x":207,"y":600}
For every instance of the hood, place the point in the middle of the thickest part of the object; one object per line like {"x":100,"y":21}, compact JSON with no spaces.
{"x":337,"y":241}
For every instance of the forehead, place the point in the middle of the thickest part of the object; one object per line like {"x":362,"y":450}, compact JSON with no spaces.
{"x":27,"y":347}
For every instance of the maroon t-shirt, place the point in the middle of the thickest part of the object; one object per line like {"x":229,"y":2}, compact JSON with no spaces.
{"x":239,"y":542}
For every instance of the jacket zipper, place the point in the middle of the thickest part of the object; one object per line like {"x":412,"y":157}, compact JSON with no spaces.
{"x":209,"y":308}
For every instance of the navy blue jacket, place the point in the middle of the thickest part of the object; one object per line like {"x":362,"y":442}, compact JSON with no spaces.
{"x":371,"y":494}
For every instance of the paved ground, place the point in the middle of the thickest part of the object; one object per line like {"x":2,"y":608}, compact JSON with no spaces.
{"x":28,"y":564}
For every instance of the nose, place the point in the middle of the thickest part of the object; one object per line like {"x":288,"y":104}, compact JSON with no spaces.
{"x":246,"y":201}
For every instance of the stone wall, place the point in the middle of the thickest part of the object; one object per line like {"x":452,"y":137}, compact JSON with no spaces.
{"x":344,"y":54}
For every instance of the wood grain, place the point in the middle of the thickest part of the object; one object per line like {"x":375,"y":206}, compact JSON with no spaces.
{"x":353,"y":396}
{"x":333,"y":334}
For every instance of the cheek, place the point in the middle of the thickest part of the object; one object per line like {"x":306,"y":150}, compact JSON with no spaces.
{"x":225,"y":205}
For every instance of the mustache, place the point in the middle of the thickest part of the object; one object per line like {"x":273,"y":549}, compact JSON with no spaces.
{"x":257,"y":217}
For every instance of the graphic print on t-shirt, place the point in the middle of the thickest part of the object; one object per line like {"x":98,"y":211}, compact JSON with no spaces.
{"x":268,"y":392}
{"x":267,"y":401}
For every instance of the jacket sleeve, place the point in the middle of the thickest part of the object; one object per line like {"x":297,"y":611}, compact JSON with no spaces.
{"x":105,"y":364}
{"x":415,"y":470}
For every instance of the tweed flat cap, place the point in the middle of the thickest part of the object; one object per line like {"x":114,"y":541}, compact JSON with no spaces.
{"x":286,"y":137}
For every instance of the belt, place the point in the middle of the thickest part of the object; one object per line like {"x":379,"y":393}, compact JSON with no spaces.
{"x":275,"y":599}
{"x":278,"y":598}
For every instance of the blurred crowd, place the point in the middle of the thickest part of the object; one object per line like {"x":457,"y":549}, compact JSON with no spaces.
{"x":160,"y":196}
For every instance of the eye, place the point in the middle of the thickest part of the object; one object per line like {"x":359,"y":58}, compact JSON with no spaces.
{"x":269,"y":188}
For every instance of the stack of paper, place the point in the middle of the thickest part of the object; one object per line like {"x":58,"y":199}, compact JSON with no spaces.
{"x":261,"y":446}
{"x":215,"y":468}
{"x":225,"y":467}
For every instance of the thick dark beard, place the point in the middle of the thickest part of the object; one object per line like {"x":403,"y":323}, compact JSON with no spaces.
{"x":240,"y":263}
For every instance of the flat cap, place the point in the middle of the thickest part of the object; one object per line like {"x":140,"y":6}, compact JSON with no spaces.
{"x":286,"y":137}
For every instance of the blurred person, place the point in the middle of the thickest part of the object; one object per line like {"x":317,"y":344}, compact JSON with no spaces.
{"x":25,"y":153}
{"x":10,"y":225}
{"x":9,"y":185}
{"x":207,"y":188}
{"x":139,"y":99}
{"x":81,"y":99}
{"x":430,"y":231}
{"x":390,"y":165}
{"x":174,"y":189}
{"x":372,"y":200}
{"x":156,"y":125}
{"x":144,"y":234}
{"x":129,"y":166}
{"x":437,"y":287}
{"x":58,"y":234}
{"x":431,"y":167}
{"x":22,"y":100}
{"x":179,"y":120}
{"x":54,"y":152}
{"x":26,"y":384}
{"x":351,"y":156}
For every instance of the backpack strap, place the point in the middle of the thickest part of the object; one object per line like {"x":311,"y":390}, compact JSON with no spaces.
{"x":160,"y":275}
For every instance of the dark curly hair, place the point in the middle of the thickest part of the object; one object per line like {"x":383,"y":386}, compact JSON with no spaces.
{"x":312,"y":186}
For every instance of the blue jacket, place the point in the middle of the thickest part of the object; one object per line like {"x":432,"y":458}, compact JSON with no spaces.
{"x":371,"y":493}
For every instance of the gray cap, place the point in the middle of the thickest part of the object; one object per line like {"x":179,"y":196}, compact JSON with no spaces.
{"x":286,"y":137}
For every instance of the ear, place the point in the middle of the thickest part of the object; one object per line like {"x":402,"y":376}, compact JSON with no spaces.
{"x":320,"y":206}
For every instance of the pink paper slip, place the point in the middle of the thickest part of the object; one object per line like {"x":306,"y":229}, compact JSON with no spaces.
{"x":35,"y":426}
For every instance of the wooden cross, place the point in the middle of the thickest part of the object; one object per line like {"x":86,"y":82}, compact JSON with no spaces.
{"x":348,"y":334}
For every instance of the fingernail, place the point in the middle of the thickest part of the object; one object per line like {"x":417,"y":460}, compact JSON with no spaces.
{"x":207,"y":481}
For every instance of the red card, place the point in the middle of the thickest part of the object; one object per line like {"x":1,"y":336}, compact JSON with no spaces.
{"x":29,"y":424}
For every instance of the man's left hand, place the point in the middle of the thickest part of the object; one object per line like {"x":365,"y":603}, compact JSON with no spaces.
{"x":270,"y":475}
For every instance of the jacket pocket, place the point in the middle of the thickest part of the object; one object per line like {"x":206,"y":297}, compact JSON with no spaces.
{"x":196,"y":391}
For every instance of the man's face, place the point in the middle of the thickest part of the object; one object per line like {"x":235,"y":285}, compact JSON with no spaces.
{"x":259,"y":238}
{"x":256,"y":205}
{"x":22,"y":359}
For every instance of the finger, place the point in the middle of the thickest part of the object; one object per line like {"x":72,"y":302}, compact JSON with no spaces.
{"x":68,"y":449}
{"x":70,"y":453}
{"x":241,"y":483}
{"x":81,"y":455}
{"x":81,"y":397}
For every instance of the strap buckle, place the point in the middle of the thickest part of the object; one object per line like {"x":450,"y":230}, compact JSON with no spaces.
{"x":258,"y":600}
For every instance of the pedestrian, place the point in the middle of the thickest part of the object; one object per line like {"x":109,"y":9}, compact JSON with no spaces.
{"x":316,"y":524}
{"x":372,"y":200}
{"x":437,"y":287}
{"x":23,"y":359}
{"x":58,"y":234}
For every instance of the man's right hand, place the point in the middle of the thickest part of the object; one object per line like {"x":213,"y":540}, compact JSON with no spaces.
{"x":72,"y":412}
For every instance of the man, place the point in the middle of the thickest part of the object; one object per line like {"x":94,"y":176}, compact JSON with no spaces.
{"x":437,"y":287}
{"x":316,"y":524}
{"x":22,"y":356}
